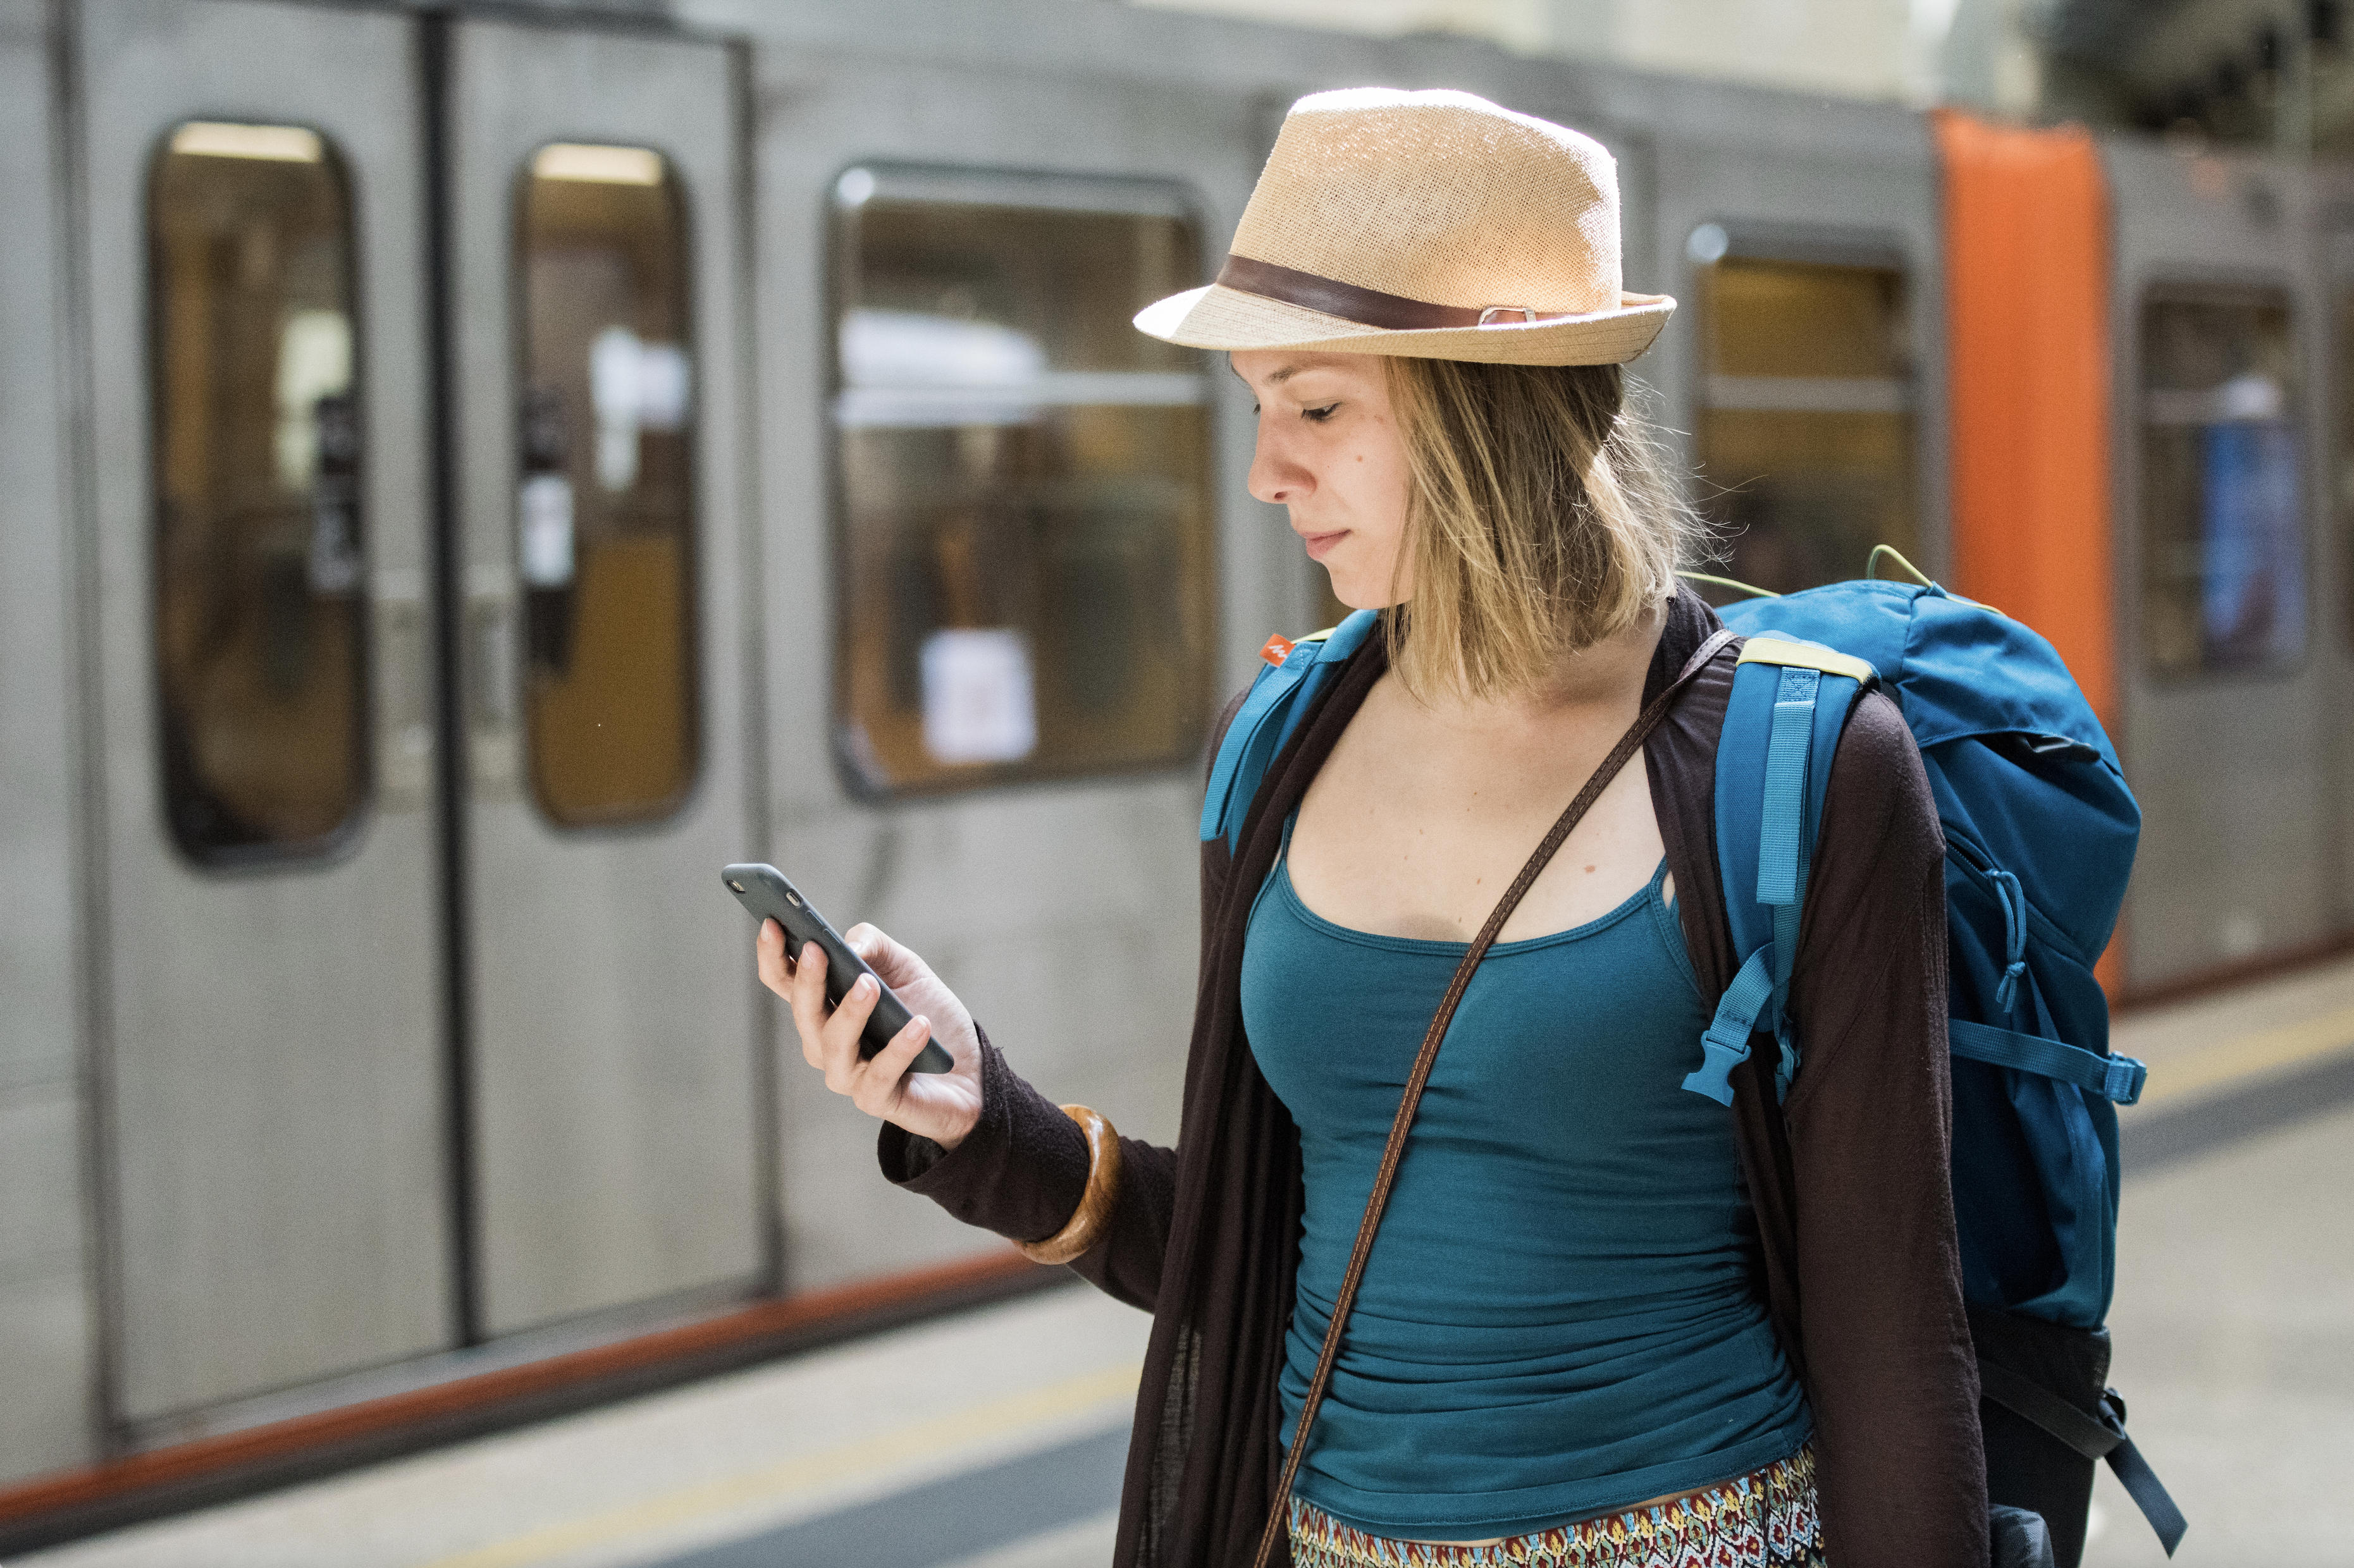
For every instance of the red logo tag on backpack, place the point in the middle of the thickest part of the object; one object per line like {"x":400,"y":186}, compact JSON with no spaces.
{"x":1278,"y":648}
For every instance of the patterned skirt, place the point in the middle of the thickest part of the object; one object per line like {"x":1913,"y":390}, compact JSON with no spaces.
{"x":1763,"y":1520}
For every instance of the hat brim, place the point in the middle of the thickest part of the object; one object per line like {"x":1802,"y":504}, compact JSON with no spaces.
{"x":1216,"y":317}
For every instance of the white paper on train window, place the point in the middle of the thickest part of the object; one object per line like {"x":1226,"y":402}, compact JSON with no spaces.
{"x":613,"y":391}
{"x":664,"y":385}
{"x":978,"y":703}
{"x":635,"y":387}
{"x":544,"y":503}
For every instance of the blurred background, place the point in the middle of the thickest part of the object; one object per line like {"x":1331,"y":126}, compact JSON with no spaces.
{"x":468,"y":472}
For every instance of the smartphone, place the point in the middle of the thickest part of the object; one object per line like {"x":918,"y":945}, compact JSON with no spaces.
{"x":763,"y":890}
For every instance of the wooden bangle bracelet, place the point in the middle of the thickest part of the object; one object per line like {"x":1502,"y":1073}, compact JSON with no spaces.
{"x":1093,"y":1215}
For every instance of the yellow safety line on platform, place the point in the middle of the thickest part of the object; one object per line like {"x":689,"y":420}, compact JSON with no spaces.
{"x":809,"y":1471}
{"x":2250,"y":1055}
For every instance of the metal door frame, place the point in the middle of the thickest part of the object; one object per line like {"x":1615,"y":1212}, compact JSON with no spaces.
{"x":725,"y":595}
{"x":148,"y":41}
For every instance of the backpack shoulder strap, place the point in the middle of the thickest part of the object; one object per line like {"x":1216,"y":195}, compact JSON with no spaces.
{"x":1790,"y":700}
{"x":1280,"y":697}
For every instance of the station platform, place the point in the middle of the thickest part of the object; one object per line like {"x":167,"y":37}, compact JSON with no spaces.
{"x":995,"y":1439}
{"x":2234,"y":1323}
{"x":983,"y":1441}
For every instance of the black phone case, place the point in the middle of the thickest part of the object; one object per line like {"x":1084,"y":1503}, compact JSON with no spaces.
{"x":763,"y":890}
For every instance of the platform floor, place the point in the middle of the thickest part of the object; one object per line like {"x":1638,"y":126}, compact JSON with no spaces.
{"x":995,"y":1439}
{"x":2234,"y":1334}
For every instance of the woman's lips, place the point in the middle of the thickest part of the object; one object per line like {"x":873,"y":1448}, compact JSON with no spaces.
{"x":1320,"y":545}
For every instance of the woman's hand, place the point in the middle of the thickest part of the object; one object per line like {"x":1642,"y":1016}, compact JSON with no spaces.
{"x":942,"y":1107}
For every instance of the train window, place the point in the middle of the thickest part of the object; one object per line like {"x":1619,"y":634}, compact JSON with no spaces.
{"x":1022,"y":507}
{"x":1806,"y":431}
{"x":258,"y":550}
{"x":2223,"y":551}
{"x":605,"y":505}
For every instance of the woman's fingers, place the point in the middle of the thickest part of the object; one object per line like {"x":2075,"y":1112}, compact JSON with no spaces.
{"x":838,"y":1050}
{"x":880,"y":1084}
{"x":942,"y":1107}
{"x":776,"y":969}
{"x":829,"y":1035}
{"x":801,"y":985}
{"x":806,"y":992}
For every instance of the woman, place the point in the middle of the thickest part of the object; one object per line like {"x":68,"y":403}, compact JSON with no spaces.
{"x":1579,"y":1338}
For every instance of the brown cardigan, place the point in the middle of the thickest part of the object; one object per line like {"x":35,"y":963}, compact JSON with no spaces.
{"x":1206,"y":1235}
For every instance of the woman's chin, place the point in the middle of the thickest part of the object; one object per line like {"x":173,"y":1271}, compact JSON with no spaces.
{"x":1356,"y":595}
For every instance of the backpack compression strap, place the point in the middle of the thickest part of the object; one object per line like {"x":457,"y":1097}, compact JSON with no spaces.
{"x":2112,"y":1077}
{"x":2101,"y":1438}
{"x":1280,"y":697}
{"x":1791,"y":699}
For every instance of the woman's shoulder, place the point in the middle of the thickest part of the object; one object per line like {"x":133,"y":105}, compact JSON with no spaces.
{"x":1879,"y":792}
{"x":1877,"y":733}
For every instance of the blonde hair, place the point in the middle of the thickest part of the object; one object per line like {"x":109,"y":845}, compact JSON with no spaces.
{"x":1542,"y":520}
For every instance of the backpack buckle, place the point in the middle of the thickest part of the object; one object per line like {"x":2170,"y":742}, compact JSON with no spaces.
{"x":1722,"y":1049}
{"x":2122,"y":1081}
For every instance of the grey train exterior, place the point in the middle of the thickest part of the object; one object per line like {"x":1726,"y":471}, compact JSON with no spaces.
{"x":456,"y":1064}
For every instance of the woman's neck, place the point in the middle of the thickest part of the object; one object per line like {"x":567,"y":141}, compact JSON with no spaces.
{"x":1606,"y":676}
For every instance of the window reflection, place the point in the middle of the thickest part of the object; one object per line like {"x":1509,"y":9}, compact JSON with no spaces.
{"x":2223,"y":558}
{"x":1805,"y":415}
{"x":260,"y":560}
{"x":1023,"y":504}
{"x":604,"y":506}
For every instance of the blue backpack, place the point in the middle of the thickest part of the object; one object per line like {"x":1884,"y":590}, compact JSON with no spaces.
{"x":2040,"y":832}
{"x":2039,"y":835}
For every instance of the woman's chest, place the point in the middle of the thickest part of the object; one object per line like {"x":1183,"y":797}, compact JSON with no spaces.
{"x":1416,"y":832}
{"x":1568,"y":1051}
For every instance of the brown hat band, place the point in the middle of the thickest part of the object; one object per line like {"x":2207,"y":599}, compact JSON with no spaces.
{"x":1367,"y":307}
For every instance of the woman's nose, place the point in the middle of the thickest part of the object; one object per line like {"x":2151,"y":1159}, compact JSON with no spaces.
{"x":1275,"y":477}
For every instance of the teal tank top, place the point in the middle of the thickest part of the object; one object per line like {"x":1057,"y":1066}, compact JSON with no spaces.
{"x":1560,"y":1316}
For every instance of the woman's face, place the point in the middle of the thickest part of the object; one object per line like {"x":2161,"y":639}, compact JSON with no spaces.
{"x":1329,"y":449}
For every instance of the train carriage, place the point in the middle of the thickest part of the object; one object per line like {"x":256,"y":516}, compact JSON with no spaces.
{"x":470,"y":474}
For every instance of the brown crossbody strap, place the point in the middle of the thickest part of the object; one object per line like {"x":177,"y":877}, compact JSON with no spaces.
{"x":1392,"y":1152}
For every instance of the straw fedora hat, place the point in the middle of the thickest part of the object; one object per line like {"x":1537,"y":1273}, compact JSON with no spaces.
{"x":1432,"y":224}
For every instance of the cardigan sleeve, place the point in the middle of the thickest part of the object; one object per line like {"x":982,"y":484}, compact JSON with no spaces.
{"x":1022,"y":1169}
{"x":1890,"y":1370}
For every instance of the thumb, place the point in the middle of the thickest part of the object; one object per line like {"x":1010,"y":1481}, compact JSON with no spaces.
{"x":885,"y":957}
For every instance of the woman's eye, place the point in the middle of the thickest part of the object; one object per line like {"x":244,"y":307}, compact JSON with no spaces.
{"x":1318,"y":416}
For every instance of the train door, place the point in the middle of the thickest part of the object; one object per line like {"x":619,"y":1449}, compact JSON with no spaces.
{"x":612,"y":1116}
{"x":309,"y":1169}
{"x":2226,"y":734}
{"x":264,"y":903}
